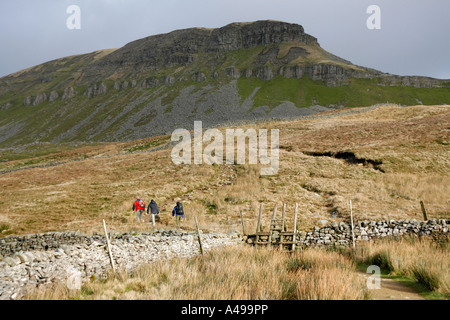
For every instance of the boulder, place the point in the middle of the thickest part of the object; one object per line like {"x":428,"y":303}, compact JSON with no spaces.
{"x":6,"y":106}
{"x":25,"y":257}
{"x":233,"y":72}
{"x":11,"y":261}
{"x":200,"y":77}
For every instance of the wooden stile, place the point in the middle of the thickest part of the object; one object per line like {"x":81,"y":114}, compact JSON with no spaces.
{"x":287,"y":239}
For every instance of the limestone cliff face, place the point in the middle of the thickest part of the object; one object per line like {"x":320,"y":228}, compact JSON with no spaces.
{"x":249,"y":35}
{"x":182,"y":46}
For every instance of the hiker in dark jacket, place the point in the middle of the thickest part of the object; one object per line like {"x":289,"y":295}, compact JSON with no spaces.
{"x":178,"y":212}
{"x":153,"y":209}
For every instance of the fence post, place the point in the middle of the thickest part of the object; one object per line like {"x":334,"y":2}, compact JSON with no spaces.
{"x":294,"y":237}
{"x":258,"y":226}
{"x":110,"y":229}
{"x":351,"y":222}
{"x":199,"y":237}
{"x":425,"y":217}
{"x":242,"y":222}
{"x":274,"y":212}
{"x":109,"y":248}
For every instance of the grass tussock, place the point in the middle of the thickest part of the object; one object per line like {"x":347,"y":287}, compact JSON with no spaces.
{"x":234,"y":273}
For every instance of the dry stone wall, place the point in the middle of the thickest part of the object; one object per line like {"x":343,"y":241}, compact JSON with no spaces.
{"x":43,"y":241}
{"x":43,"y":259}
{"x":339,"y":234}
{"x":72,"y":254}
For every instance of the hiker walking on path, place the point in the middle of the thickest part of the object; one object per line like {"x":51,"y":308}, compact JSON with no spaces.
{"x":139,"y":208}
{"x":153,"y":209}
{"x":179,"y":213}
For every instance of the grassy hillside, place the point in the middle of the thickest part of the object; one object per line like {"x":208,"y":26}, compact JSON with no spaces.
{"x":100,"y":118}
{"x":69,"y":187}
{"x":305,"y":92}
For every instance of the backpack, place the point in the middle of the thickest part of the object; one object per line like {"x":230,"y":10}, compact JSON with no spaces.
{"x":142,"y":203}
{"x":179,"y":208}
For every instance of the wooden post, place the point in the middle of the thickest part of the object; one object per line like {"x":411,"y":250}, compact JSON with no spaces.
{"x":274,"y":212}
{"x":199,"y":237}
{"x":283,"y":228}
{"x":294,"y":237}
{"x":272,"y":224}
{"x":110,"y":232}
{"x":109,"y":248}
{"x":258,"y":226}
{"x":242,"y":223}
{"x":423,"y":211}
{"x":351,"y":222}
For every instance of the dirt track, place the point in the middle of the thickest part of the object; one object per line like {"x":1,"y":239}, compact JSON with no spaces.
{"x":393,"y":290}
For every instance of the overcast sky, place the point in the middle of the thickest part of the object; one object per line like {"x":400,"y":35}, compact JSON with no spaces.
{"x":414,"y":38}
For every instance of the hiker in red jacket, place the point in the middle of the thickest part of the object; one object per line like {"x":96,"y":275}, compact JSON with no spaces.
{"x":139,"y":208}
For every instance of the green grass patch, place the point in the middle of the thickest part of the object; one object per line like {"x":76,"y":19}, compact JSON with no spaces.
{"x":444,"y":143}
{"x":4,"y":227}
{"x":147,"y":145}
{"x":305,"y":92}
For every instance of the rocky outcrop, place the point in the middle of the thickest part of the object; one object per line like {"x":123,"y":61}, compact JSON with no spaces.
{"x":53,"y":96}
{"x":169,"y":80}
{"x":6,"y":106}
{"x":68,"y":93}
{"x":150,"y":83}
{"x":412,"y":81}
{"x":237,"y":36}
{"x":291,"y":72}
{"x":264,"y":73}
{"x":233,"y":72}
{"x":95,"y":90}
{"x":40,"y":98}
{"x":335,"y":75}
{"x":199,"y":77}
{"x":28,"y":101}
{"x":118,"y":85}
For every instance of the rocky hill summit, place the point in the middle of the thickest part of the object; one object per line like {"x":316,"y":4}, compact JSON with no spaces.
{"x":183,"y":47}
{"x":240,"y":72}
